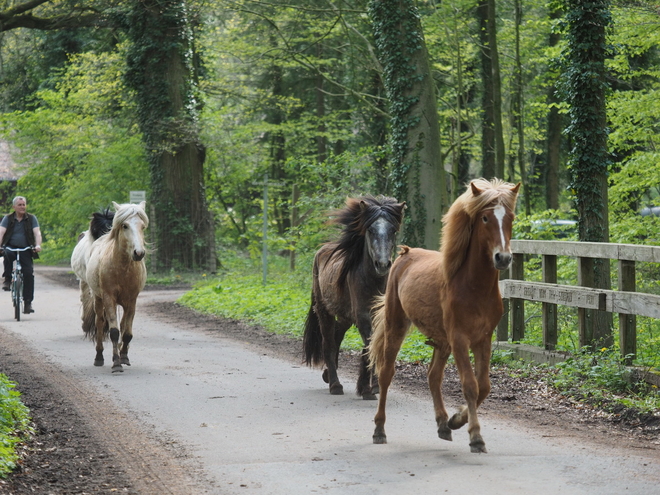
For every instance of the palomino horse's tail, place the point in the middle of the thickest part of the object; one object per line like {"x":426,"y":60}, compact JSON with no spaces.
{"x":378,"y":338}
{"x":312,"y":339}
{"x":88,"y":315}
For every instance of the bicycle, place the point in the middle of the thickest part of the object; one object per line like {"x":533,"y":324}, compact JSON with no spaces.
{"x":16,"y":286}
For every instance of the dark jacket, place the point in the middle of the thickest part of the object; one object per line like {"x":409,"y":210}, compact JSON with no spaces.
{"x":29,"y":232}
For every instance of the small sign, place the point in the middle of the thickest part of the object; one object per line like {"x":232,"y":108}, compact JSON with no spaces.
{"x":136,"y":197}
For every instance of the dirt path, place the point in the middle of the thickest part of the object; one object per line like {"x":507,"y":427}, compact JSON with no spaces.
{"x":86,"y":444}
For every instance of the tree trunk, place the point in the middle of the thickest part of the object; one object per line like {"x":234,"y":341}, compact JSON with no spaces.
{"x":519,"y":121}
{"x":487,"y":117}
{"x":497,"y":90}
{"x":417,"y":171}
{"x":162,"y":74}
{"x":589,"y":158}
{"x":553,"y":138}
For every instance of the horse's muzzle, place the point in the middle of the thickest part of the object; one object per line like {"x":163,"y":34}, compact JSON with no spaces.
{"x":138,"y":255}
{"x":382,"y":267}
{"x":502,"y":260}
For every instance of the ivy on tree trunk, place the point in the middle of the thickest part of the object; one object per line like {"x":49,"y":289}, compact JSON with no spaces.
{"x":589,"y":159}
{"x":417,"y":173}
{"x":160,"y":70}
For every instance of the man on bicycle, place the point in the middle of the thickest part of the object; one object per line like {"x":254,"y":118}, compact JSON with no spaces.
{"x":17,"y":230}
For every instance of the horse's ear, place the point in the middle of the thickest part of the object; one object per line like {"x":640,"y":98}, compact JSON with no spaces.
{"x":363,"y":205}
{"x":516,"y":188}
{"x":475,"y":190}
{"x":143,"y":204}
{"x":115,"y":205}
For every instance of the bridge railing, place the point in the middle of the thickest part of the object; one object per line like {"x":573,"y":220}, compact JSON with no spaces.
{"x":625,"y":300}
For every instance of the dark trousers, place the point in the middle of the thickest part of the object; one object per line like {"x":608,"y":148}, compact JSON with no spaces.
{"x":28,"y":271}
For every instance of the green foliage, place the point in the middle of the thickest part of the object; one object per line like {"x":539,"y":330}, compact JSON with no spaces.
{"x":14,"y":424}
{"x":280,"y":306}
{"x":78,"y":148}
{"x":598,"y":379}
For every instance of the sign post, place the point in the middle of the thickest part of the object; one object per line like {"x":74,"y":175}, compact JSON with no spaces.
{"x":136,"y":197}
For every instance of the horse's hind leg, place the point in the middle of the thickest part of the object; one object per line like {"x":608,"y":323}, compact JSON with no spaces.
{"x":333,"y":334}
{"x":387,"y":360}
{"x":100,"y":331}
{"x":435,"y":376}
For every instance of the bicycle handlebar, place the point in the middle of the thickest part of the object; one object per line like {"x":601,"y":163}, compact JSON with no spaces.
{"x":17,"y":250}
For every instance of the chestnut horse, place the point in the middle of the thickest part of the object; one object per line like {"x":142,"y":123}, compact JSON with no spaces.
{"x":453,"y":298}
{"x":115,"y":275}
{"x":348,"y":275}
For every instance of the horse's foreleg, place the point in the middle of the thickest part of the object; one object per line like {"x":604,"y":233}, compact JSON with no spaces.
{"x":111,"y":315}
{"x":435,"y":376}
{"x":364,"y":384}
{"x":482,"y":368}
{"x":471,"y":393}
{"x":127,"y":334}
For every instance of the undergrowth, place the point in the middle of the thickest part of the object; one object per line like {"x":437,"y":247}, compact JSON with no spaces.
{"x":14,"y":425}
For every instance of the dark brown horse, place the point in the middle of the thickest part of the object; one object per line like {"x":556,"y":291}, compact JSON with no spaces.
{"x":453,"y":297}
{"x":348,"y":275}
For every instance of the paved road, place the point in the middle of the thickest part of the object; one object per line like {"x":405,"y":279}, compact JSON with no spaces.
{"x":251,"y":423}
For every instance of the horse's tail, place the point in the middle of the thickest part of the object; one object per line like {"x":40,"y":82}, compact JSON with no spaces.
{"x":378,"y":337}
{"x":312,"y":339}
{"x":87,"y":313}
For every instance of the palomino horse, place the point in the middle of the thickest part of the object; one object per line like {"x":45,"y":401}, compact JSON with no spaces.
{"x":115,"y":275}
{"x":453,"y":297}
{"x":100,"y":224}
{"x":348,"y":274}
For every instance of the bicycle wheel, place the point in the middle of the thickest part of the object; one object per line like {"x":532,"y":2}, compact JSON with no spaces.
{"x":16,"y":294}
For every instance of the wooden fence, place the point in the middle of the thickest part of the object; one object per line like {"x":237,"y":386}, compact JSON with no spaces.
{"x":624,"y":301}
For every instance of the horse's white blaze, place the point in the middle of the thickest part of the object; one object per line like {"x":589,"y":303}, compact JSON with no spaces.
{"x":500,"y":213}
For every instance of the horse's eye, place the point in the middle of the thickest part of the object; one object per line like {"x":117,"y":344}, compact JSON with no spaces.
{"x":484,"y":219}
{"x":124,"y":226}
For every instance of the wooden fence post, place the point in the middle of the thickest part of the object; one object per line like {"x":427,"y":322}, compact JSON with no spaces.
{"x":503,"y":325}
{"x":627,"y":322}
{"x":586,"y":317}
{"x":549,"y":310}
{"x":517,"y":305}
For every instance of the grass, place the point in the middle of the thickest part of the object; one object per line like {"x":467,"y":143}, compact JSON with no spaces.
{"x":281,"y":306}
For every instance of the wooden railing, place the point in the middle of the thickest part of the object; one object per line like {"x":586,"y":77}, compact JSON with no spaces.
{"x":624,"y":301}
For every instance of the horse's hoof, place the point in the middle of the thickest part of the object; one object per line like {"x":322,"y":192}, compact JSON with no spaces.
{"x":478,"y":447}
{"x":125,"y":361}
{"x":325,"y":376}
{"x":444,"y":433}
{"x":380,"y":439}
{"x":375,"y":389}
{"x":369,"y":396}
{"x":337,"y":389}
{"x":116,"y":368}
{"x":98,"y":362}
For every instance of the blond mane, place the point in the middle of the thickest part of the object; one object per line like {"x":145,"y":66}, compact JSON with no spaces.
{"x":459,"y":220}
{"x":125,"y":211}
